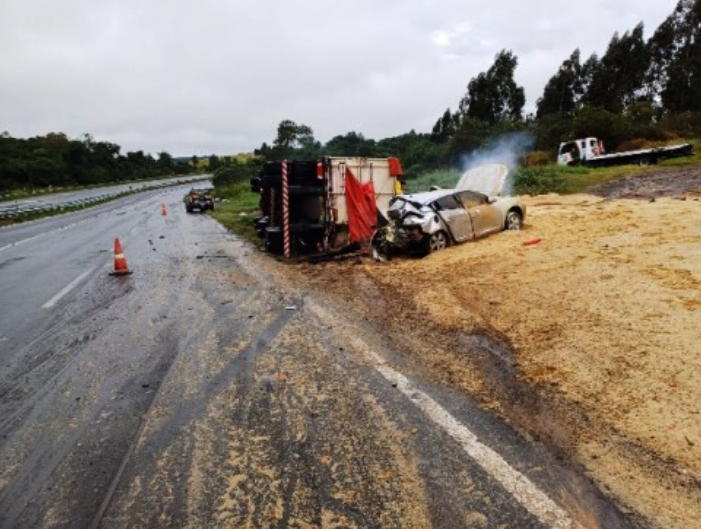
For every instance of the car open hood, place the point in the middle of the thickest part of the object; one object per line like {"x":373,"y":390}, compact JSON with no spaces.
{"x":486,"y":179}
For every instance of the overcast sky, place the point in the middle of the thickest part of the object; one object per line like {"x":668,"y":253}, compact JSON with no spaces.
{"x":217,"y":76}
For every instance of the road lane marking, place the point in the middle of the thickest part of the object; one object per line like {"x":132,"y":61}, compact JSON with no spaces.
{"x":518,"y":485}
{"x":42,"y":234}
{"x":70,"y":286}
{"x":527,"y":493}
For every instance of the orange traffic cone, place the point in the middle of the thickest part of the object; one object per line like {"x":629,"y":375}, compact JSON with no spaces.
{"x":164,"y":211}
{"x":120,"y":262}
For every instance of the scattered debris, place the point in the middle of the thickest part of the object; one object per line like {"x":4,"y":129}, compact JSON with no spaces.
{"x":532,"y":241}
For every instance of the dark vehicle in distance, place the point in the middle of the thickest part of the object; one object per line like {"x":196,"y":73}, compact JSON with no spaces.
{"x":200,"y":199}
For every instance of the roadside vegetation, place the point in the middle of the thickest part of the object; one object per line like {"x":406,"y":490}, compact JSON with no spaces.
{"x":536,"y":175}
{"x":237,"y":204}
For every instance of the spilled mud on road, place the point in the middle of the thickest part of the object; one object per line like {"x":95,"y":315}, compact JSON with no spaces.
{"x":586,"y":341}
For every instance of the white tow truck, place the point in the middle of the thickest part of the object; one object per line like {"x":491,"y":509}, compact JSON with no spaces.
{"x":591,"y":152}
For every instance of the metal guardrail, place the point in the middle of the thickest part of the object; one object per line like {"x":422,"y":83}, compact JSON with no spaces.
{"x":8,"y":210}
{"x":19,"y":209}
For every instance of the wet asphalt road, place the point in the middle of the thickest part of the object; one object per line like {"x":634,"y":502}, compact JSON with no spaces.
{"x":212,"y":388}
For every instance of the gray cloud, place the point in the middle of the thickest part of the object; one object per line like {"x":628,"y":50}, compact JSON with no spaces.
{"x":218,"y":76}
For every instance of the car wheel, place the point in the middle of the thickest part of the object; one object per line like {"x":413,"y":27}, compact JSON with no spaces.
{"x":436,"y":241}
{"x":513,"y":220}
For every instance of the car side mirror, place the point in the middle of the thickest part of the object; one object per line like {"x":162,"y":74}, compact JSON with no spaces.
{"x":491,"y":200}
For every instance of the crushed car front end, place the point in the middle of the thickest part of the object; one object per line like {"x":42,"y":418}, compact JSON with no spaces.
{"x":412,"y":221}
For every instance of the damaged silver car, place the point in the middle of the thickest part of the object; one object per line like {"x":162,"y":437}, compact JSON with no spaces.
{"x":431,"y":221}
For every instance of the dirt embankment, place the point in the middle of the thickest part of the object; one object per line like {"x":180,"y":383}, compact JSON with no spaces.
{"x":603,"y":319}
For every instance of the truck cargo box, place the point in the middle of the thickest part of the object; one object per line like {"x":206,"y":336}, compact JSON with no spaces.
{"x":318,"y":202}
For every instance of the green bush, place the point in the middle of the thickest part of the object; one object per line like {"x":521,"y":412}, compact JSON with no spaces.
{"x":440,"y":177}
{"x":537,"y":158}
{"x":684,"y":124}
{"x":538,"y":180}
{"x":235,"y":172}
{"x":233,"y":190}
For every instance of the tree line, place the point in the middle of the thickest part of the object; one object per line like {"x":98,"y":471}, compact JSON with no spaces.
{"x":58,"y":161}
{"x":638,"y":89}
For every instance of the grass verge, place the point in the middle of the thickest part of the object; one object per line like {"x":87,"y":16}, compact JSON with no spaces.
{"x":237,"y":210}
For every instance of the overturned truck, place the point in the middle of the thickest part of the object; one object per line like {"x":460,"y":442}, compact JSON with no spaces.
{"x":326,"y":205}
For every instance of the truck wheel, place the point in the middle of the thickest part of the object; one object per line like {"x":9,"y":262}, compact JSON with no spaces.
{"x":644,"y":162}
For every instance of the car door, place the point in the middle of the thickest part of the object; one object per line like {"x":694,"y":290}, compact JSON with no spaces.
{"x":455,"y":217}
{"x":486,"y":217}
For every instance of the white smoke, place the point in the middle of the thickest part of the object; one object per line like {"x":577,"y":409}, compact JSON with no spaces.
{"x":508,"y":149}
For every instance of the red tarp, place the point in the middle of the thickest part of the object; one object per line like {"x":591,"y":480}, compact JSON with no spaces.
{"x":361,"y":207}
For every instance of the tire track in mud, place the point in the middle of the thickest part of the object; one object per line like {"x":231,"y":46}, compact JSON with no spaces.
{"x":158,"y":441}
{"x":560,"y":476}
{"x":60,"y":352}
{"x":87,"y":442}
{"x":165,"y":434}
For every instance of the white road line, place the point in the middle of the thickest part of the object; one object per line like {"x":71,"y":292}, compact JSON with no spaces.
{"x":519,"y":486}
{"x":38,"y":235}
{"x":70,"y":286}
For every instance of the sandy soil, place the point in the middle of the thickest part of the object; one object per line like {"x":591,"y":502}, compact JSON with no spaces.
{"x":603,"y":319}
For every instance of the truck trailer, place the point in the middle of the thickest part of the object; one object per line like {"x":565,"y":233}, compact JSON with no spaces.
{"x":324,"y":205}
{"x":591,"y":152}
